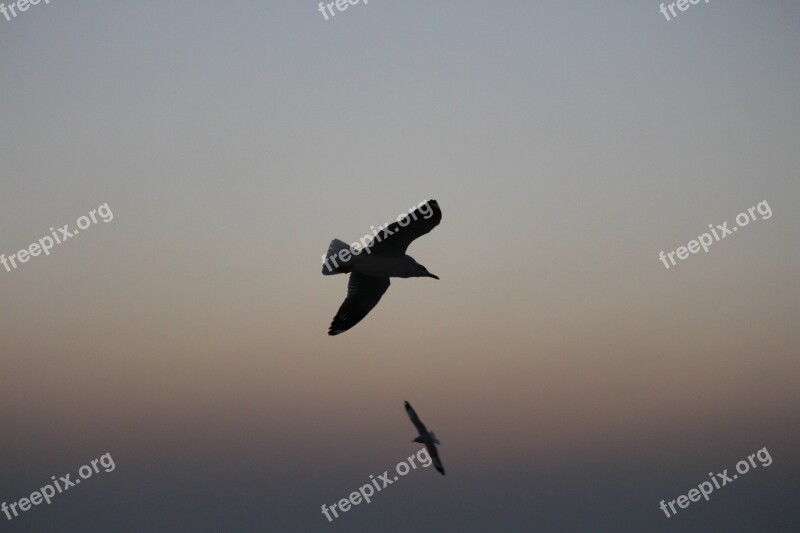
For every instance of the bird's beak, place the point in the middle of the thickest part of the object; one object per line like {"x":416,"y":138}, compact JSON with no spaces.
{"x":434,"y":276}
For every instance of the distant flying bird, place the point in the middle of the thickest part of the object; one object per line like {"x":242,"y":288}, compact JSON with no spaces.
{"x":426,"y":437}
{"x":370,"y":268}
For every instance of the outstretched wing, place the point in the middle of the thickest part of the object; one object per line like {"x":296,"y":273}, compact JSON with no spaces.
{"x":395,"y":239}
{"x":363,"y":293}
{"x":415,"y":420}
{"x":434,"y":453}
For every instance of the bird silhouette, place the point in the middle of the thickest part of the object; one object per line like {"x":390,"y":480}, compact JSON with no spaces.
{"x":371,"y":267}
{"x":428,"y":438}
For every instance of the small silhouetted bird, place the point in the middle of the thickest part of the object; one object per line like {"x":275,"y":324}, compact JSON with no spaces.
{"x":370,"y":268}
{"x":428,"y":438}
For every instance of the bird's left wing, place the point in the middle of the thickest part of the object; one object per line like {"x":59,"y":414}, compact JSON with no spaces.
{"x":415,"y":419}
{"x":394,"y":240}
{"x":363,"y":293}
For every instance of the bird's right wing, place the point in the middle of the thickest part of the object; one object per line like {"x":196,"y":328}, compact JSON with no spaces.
{"x":363,"y":293}
{"x":415,"y":419}
{"x":434,"y":453}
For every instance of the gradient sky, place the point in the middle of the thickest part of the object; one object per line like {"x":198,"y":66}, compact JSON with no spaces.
{"x":574,"y":382}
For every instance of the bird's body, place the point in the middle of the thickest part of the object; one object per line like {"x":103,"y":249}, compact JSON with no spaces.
{"x":370,"y":268}
{"x":385,"y":266}
{"x":428,"y":438}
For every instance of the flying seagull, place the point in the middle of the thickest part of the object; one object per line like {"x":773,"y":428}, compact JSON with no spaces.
{"x":370,"y":268}
{"x":426,"y":437}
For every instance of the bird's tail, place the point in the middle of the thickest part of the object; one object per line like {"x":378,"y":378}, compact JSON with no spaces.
{"x":333,"y":261}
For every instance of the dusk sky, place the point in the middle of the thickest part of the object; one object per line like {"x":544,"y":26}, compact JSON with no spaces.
{"x":574,"y":381}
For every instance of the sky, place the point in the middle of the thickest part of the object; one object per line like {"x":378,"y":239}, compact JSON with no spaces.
{"x":573,"y":380}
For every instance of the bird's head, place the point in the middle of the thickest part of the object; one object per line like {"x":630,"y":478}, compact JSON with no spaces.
{"x":418,"y":439}
{"x":412,"y":269}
